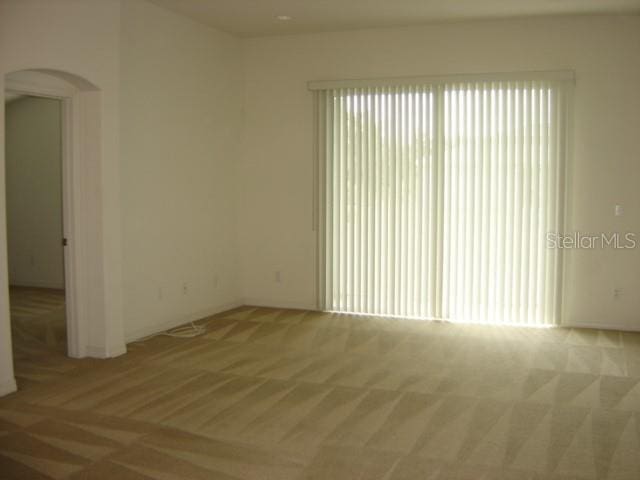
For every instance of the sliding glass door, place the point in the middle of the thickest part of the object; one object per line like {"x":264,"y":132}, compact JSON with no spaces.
{"x":436,"y":199}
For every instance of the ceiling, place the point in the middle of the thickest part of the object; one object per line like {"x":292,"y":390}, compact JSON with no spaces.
{"x":250,"y":18}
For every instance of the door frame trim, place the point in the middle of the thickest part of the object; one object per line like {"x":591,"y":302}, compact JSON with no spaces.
{"x":72,"y":258}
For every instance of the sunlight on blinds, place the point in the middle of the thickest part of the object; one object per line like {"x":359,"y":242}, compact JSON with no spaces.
{"x":435,"y":200}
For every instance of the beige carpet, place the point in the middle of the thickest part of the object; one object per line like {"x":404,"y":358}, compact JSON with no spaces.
{"x":283,"y":394}
{"x":39,"y":334}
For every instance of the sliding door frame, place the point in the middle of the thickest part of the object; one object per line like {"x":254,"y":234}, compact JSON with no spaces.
{"x":319,"y":155}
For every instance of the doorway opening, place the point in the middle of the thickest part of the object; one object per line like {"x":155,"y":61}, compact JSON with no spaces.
{"x":91,"y":296}
{"x":35,"y":234}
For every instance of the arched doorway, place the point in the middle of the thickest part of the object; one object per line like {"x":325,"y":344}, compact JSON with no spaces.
{"x":82,"y":205}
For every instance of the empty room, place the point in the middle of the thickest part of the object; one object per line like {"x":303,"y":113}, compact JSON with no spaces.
{"x":295,"y":239}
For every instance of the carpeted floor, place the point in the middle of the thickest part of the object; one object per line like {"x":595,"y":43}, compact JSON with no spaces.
{"x":283,"y":394}
{"x":39,"y":335}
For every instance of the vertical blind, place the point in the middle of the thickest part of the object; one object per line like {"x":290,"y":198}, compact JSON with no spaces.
{"x":435,"y":199}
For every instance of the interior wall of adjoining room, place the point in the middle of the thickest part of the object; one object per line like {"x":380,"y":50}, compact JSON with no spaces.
{"x":33,"y":163}
{"x":277,"y":242}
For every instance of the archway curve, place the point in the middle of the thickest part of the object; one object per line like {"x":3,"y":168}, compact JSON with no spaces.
{"x":76,"y":81}
{"x":48,"y":82}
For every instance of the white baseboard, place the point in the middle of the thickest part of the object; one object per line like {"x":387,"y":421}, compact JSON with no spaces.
{"x":293,"y":304}
{"x":120,"y":350}
{"x":176,"y":322}
{"x":603,"y":326}
{"x":298,"y":305}
{"x":263,"y":302}
{"x":93,"y":351}
{"x":7,"y":387}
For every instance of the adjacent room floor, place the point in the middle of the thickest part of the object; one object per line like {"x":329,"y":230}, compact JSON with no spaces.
{"x":39,"y":334}
{"x":283,"y":394}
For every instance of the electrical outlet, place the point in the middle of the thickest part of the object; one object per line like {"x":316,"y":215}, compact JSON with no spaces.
{"x":185,"y":288}
{"x":278,"y":276}
{"x":617,"y":293}
{"x":618,"y":211}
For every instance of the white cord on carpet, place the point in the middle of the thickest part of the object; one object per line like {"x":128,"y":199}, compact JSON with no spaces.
{"x":187,"y":331}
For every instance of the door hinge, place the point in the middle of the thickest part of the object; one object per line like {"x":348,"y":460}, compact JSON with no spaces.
{"x":64,"y":242}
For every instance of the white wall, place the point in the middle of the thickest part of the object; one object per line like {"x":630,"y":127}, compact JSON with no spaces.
{"x":33,"y":159}
{"x":180,"y":105}
{"x":276,"y":167}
